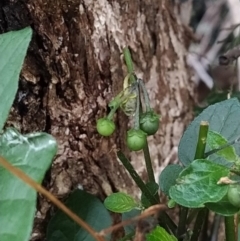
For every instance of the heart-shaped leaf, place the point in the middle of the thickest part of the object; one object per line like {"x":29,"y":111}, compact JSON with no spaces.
{"x":13,"y":48}
{"x":197,"y":184}
{"x":87,"y":207}
{"x":168,"y":177}
{"x":120,"y":202}
{"x":32,"y":154}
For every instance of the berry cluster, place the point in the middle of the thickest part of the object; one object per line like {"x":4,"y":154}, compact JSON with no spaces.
{"x":145,"y":122}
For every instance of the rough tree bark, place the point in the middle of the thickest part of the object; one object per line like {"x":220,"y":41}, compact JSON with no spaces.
{"x":72,"y":70}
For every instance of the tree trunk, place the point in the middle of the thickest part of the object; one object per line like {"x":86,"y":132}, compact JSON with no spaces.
{"x":74,"y":67}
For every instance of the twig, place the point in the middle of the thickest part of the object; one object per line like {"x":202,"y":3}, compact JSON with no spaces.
{"x":153,"y":210}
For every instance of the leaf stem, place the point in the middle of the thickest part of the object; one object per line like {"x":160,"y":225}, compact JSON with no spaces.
{"x":148,"y":163}
{"x":137,"y":179}
{"x":129,"y":63}
{"x":202,"y":140}
{"x":145,"y":95}
{"x":198,"y":224}
{"x":200,"y":150}
{"x":165,"y":220}
{"x":229,"y":228}
{"x":182,"y":221}
{"x":136,"y":117}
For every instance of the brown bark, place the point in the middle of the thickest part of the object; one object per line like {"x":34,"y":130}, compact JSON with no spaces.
{"x":74,"y":68}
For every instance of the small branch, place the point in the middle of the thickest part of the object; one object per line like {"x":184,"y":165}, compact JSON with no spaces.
{"x":153,"y":210}
{"x":202,"y":140}
{"x":137,"y":179}
{"x":129,"y":63}
{"x":165,"y":221}
{"x":148,"y":163}
{"x":145,"y":95}
{"x":200,"y":150}
{"x":198,"y":224}
{"x":230,"y":228}
{"x":182,"y":221}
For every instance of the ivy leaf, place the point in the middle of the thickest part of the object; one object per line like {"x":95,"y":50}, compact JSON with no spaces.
{"x":86,"y":206}
{"x":160,"y":234}
{"x":197,"y":184}
{"x":168,"y":177}
{"x":120,"y":202}
{"x":223,"y":118}
{"x":33,"y":154}
{"x":215,"y":140}
{"x":13,"y":48}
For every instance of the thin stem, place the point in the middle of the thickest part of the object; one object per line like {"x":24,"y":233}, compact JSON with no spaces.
{"x":198,"y":224}
{"x":136,"y":118}
{"x":202,"y":140}
{"x":182,"y":221}
{"x":165,"y":220}
{"x":222,"y":147}
{"x":200,"y":150}
{"x":145,"y":95}
{"x":129,"y":63}
{"x":229,"y":228}
{"x":148,"y":163}
{"x":112,"y":112}
{"x":126,"y":163}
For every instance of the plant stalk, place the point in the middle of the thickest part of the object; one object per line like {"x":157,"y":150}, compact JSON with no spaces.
{"x":129,"y":63}
{"x":165,"y":220}
{"x":182,"y":222}
{"x":198,"y":224}
{"x":145,"y":95}
{"x":202,"y":140}
{"x":137,"y":179}
{"x":229,"y":228}
{"x":148,"y":163}
{"x":199,"y":154}
{"x":136,"y":117}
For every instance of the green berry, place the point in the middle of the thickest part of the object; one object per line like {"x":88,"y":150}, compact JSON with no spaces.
{"x":149,"y":122}
{"x":234,"y":195}
{"x":105,"y":127}
{"x":136,"y":139}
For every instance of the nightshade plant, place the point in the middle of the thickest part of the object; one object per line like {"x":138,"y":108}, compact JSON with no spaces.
{"x":207,"y":178}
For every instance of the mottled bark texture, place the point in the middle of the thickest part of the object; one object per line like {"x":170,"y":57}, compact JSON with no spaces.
{"x":73,"y":69}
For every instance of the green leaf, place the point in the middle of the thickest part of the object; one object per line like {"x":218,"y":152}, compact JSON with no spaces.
{"x":197,"y":184}
{"x":120,"y":202}
{"x":13,"y":48}
{"x":223,"y":207}
{"x":128,"y":215}
{"x":160,"y":234}
{"x":33,"y":154}
{"x":168,"y":177}
{"x":223,"y":118}
{"x":87,"y":207}
{"x":153,"y":188}
{"x":215,"y":140}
